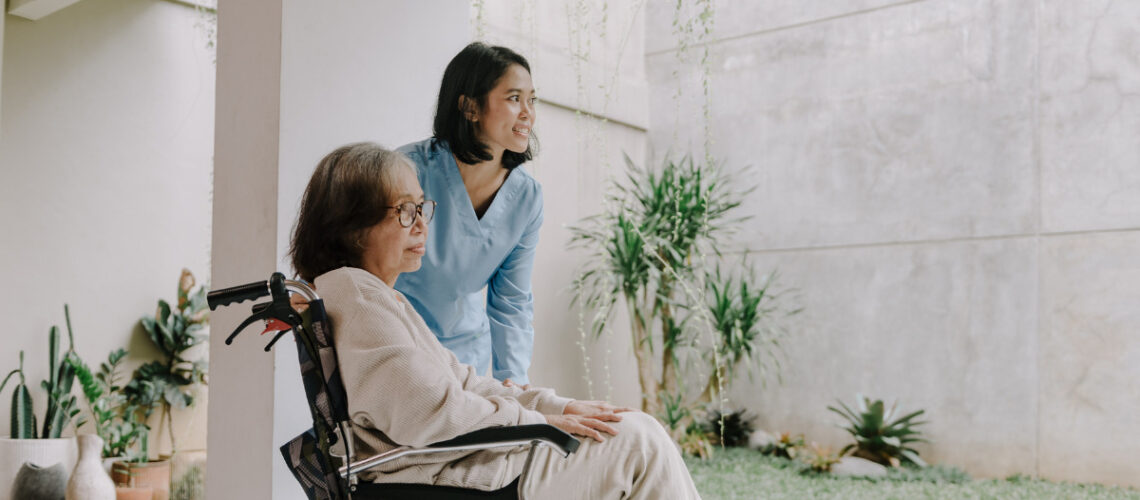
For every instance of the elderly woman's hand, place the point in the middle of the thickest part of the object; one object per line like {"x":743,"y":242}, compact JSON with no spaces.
{"x":509,"y":383}
{"x":600,"y":410}
{"x":579,"y":425}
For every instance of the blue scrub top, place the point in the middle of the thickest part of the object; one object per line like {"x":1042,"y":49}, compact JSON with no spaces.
{"x":465,"y":254}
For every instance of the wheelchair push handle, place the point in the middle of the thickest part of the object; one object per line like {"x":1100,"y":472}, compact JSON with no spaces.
{"x":279,"y":308}
{"x":235,"y":294}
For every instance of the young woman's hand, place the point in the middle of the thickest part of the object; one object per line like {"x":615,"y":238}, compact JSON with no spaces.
{"x":579,"y":425}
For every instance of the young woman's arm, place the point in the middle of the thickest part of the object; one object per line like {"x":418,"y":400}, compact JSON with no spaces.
{"x":510,"y":306}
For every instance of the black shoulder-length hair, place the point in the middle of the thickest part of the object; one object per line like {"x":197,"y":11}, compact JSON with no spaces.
{"x":473,"y":72}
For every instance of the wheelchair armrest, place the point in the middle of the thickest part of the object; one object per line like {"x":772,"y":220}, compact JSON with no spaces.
{"x":483,"y":439}
{"x":534,"y":432}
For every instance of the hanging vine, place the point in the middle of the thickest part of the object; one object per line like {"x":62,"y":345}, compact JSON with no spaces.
{"x":694,"y":30}
{"x":479,"y":20}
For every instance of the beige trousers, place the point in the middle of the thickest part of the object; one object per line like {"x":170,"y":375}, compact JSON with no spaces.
{"x":640,"y":462}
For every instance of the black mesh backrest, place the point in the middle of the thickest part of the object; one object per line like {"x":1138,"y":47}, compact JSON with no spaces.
{"x":308,"y":455}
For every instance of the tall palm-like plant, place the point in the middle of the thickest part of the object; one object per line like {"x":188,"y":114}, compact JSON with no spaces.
{"x":650,"y":244}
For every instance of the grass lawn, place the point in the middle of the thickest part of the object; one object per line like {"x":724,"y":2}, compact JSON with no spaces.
{"x":742,"y":473}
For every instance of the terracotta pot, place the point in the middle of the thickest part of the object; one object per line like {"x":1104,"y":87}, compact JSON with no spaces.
{"x":154,"y":475}
{"x":128,"y":493}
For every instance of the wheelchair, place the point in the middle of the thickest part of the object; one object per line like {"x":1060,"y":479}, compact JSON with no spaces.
{"x":322,"y":458}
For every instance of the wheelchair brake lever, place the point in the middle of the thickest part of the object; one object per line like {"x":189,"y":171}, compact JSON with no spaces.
{"x":269,"y":346}
{"x":279,"y":308}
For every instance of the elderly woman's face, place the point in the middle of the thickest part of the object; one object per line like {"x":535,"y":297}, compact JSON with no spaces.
{"x":389,"y":248}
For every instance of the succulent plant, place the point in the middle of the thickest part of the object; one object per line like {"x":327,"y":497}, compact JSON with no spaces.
{"x":879,"y":436}
{"x":820,"y":458}
{"x":786,"y":447}
{"x":23,"y":423}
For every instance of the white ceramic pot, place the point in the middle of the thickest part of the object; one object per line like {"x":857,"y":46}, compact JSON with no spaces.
{"x":42,"y":452}
{"x":88,"y":480}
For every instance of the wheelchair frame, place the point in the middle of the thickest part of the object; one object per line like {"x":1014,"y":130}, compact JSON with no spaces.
{"x":323,"y":459}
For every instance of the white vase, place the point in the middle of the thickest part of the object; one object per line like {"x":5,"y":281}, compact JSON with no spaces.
{"x":42,"y":452}
{"x":88,"y":481}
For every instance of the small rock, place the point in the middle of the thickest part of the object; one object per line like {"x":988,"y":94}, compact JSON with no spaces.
{"x":855,"y":466}
{"x":760,"y":440}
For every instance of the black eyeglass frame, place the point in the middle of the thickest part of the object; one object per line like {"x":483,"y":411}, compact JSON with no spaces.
{"x":418,"y":212}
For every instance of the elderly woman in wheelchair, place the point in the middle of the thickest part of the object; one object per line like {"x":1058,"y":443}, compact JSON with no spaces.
{"x":363,"y":221}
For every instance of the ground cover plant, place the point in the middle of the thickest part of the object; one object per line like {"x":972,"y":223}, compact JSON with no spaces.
{"x":739,"y":473}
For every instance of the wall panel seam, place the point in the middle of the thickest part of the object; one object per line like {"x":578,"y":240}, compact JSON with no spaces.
{"x":792,"y":26}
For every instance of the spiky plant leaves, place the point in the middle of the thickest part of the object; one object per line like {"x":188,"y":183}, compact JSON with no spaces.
{"x":877,"y":437}
{"x":731,"y":428}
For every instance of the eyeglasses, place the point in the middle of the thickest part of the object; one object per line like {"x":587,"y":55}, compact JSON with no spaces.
{"x":409,"y":210}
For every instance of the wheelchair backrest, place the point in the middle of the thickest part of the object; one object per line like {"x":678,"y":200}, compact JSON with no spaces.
{"x":310,"y":455}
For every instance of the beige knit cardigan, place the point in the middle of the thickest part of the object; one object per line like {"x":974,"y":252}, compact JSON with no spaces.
{"x":405,"y":388}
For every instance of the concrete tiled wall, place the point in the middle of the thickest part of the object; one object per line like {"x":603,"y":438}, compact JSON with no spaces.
{"x":954,"y":186}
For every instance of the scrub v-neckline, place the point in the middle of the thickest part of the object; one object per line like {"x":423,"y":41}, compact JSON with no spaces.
{"x":459,"y":194}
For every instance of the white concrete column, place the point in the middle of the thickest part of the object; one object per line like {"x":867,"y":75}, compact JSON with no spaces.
{"x":296,"y":79}
{"x":247,"y":134}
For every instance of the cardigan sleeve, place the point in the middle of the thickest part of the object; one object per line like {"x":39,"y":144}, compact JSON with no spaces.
{"x":540,"y":399}
{"x":399,"y":387}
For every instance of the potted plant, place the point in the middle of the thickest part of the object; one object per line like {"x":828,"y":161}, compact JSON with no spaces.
{"x":168,"y":383}
{"x":135,"y":472}
{"x":42,"y":448}
{"x":105,"y":404}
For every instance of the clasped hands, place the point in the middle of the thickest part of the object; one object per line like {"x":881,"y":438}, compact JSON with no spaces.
{"x":583,"y":418}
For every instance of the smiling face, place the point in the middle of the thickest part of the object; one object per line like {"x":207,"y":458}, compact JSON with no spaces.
{"x":507,"y":113}
{"x":389,"y":248}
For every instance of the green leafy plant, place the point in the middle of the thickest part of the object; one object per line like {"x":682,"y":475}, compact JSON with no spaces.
{"x":730,"y":428}
{"x":23,"y":422}
{"x":787,"y":446}
{"x":745,"y":311}
{"x":106,"y":403}
{"x":673,"y":412}
{"x":695,"y":441}
{"x":168,"y":383}
{"x":879,"y":436}
{"x":648,"y":247}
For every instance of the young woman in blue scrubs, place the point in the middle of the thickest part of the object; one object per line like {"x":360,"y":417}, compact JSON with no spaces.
{"x":489,"y":212}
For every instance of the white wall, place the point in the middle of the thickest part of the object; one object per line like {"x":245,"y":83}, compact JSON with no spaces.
{"x":953,"y":186}
{"x":105,"y":160}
